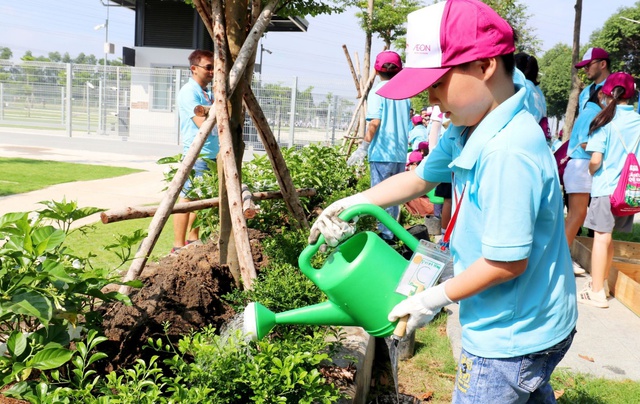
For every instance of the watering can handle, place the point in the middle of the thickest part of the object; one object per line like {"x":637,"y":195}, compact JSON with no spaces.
{"x":401,"y":327}
{"x":360,"y":210}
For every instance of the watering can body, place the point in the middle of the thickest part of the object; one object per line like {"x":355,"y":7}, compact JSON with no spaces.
{"x":359,"y":278}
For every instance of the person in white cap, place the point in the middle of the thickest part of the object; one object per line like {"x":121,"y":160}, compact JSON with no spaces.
{"x":596,"y":65}
{"x":387,"y":135}
{"x":512,"y":276}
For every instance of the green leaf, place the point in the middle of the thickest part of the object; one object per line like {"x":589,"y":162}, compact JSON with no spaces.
{"x":17,"y":343}
{"x":47,"y":238}
{"x":50,"y":358}
{"x":52,"y":334}
{"x":57,"y":271}
{"x":33,"y":304}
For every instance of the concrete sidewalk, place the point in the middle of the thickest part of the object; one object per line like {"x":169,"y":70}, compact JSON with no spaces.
{"x":143,"y":188}
{"x":606,"y":343}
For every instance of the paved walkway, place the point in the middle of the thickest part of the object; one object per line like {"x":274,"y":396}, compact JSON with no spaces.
{"x":607,"y":343}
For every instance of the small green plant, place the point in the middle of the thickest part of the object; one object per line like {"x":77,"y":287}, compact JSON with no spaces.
{"x":45,"y":290}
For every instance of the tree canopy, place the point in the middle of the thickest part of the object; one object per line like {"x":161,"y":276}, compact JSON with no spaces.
{"x":388,"y":20}
{"x":621,"y":38}
{"x":555,"y":78}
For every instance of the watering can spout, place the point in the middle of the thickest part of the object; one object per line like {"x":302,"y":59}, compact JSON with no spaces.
{"x":258,"y":320}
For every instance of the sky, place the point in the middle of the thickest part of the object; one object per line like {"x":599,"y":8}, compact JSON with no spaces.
{"x":315,"y":57}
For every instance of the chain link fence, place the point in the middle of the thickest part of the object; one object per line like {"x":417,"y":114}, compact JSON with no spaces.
{"x":138,"y":104}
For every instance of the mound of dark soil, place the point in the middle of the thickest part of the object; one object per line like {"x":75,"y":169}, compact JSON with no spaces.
{"x":184,"y":290}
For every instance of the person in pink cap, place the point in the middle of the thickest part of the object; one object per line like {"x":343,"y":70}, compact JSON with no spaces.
{"x":614,"y":133}
{"x":387,"y":134}
{"x":513,"y":275}
{"x":418,"y":134}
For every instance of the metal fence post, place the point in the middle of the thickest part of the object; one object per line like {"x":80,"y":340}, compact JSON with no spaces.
{"x":176,"y":111}
{"x":335,"y":120}
{"x":292,"y":112}
{"x":68,"y":100}
{"x":1,"y":101}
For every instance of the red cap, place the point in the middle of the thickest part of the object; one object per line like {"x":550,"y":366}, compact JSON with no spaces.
{"x":416,"y":119}
{"x":624,"y":80}
{"x":387,"y":57}
{"x":592,"y":54}
{"x":445,"y":35}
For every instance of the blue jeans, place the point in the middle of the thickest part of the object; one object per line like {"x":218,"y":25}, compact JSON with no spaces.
{"x":199,"y":167}
{"x":380,"y":172}
{"x":522,"y":379}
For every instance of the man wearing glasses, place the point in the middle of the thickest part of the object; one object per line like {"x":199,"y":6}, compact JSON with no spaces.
{"x":596,"y":65}
{"x":194,"y":93}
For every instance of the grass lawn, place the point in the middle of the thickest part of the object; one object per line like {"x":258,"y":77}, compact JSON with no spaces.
{"x":24,"y":175}
{"x":104,"y":234}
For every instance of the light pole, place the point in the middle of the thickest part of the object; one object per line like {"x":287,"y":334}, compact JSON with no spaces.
{"x":89,"y":86}
{"x":262,"y":50}
{"x":107,"y":49}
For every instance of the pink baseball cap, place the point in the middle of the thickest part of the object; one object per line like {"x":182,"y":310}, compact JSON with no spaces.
{"x":592,"y":54}
{"x":387,"y":57}
{"x":624,"y":80}
{"x":414,"y":157}
{"x":416,"y":119}
{"x":445,"y":35}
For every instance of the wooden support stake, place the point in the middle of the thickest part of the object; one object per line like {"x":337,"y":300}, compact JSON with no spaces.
{"x":248,"y":207}
{"x":367,"y":88}
{"x":353,"y":71}
{"x":138,"y":212}
{"x":275,"y":157}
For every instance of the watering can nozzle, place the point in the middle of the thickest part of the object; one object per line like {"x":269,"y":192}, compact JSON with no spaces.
{"x":258,"y":320}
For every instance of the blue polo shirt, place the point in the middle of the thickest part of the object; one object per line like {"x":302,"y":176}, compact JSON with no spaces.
{"x":511,"y":209}
{"x":585,"y":94}
{"x":606,"y":140}
{"x":580,"y":131}
{"x":189,"y":96}
{"x":389,"y":145}
{"x":418,"y":134}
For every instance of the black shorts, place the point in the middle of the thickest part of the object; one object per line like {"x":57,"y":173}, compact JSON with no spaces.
{"x":443,"y":190}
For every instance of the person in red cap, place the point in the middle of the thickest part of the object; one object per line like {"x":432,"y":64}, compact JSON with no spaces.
{"x":596,"y":65}
{"x":512,"y":267}
{"x":387,"y":134}
{"x":614,"y":133}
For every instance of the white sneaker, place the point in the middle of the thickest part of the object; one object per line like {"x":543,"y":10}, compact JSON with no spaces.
{"x":577,"y":269}
{"x":597,"y":299}
{"x":607,"y":292}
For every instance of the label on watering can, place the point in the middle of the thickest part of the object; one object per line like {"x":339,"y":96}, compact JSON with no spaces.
{"x":425,"y":267}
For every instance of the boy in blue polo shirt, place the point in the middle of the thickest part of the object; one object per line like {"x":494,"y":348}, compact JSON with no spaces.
{"x":513,"y":273}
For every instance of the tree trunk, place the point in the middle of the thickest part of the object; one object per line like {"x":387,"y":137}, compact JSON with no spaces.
{"x":227,"y":155}
{"x":572,"y":105}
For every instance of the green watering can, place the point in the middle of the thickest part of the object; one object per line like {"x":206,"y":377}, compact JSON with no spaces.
{"x":359,"y":278}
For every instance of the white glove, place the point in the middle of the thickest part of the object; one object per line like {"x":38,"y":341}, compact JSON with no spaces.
{"x":357,"y":158}
{"x":421,"y":307}
{"x":331,"y":226}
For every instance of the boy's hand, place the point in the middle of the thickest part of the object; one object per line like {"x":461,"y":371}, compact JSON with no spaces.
{"x":357,"y":158}
{"x":331,"y":226}
{"x":421,"y":307}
